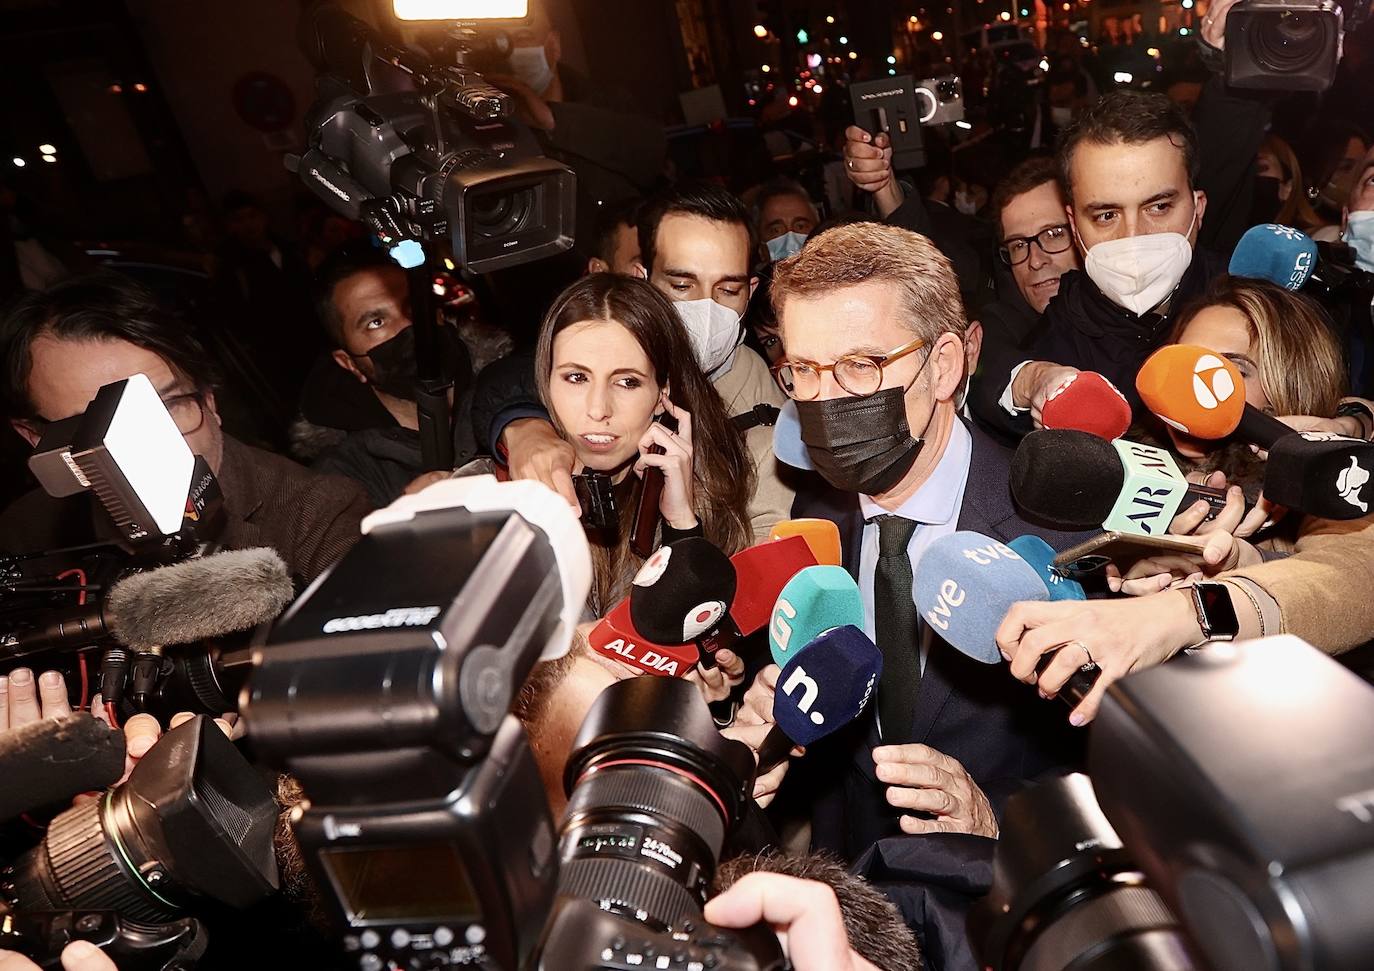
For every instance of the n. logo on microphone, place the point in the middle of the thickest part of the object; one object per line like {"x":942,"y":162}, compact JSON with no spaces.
{"x":810,"y":691}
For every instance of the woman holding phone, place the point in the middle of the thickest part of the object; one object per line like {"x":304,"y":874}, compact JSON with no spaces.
{"x":617,"y":373}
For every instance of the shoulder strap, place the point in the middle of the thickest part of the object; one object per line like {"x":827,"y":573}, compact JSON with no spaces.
{"x":762,"y":414}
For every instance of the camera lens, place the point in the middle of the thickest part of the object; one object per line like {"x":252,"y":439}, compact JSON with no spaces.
{"x":500,"y":213}
{"x":1064,"y":892}
{"x":655,"y":792}
{"x":1291,"y":41}
{"x":194,"y":819}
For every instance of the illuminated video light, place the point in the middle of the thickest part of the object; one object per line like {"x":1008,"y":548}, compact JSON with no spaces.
{"x":460,"y":9}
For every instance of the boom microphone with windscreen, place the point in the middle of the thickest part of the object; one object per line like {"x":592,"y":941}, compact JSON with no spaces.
{"x":966,"y":584}
{"x":190,"y":601}
{"x":823,"y":687}
{"x":814,"y":601}
{"x":1280,"y":254}
{"x":1072,"y":480}
{"x":1087,"y":402}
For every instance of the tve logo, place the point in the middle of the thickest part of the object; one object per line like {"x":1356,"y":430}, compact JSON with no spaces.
{"x":951,"y":596}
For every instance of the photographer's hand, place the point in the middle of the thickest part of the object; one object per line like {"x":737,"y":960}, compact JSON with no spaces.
{"x":868,"y":163}
{"x":76,"y":956}
{"x":1213,"y":27}
{"x":804,"y":914}
{"x":22,"y":700}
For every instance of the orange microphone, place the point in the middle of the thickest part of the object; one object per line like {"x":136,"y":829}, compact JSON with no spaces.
{"x":1201,"y":393}
{"x":821,"y":535}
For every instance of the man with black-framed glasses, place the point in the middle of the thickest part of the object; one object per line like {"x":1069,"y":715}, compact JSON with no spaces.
{"x":59,"y":346}
{"x":874,"y":331}
{"x":1034,"y":249}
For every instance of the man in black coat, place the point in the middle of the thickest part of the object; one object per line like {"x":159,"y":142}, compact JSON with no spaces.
{"x":873,"y":326}
{"x":1131,"y":167}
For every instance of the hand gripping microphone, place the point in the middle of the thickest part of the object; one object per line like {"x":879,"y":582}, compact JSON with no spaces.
{"x":682,"y":595}
{"x":1039,"y":555}
{"x":1280,"y":254}
{"x":822,"y":687}
{"x":1202,"y":394}
{"x":616,"y":637}
{"x":965,"y":586}
{"x":1072,"y":480}
{"x":816,"y":600}
{"x":1087,"y":402}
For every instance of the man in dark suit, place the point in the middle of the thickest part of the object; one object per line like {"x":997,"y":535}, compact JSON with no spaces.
{"x":873,"y":328}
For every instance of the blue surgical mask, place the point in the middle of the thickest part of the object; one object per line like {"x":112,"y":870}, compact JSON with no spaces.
{"x":1359,"y":235}
{"x":788,"y":244}
{"x":531,"y":65}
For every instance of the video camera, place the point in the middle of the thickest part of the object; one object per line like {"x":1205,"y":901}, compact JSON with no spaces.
{"x":148,"y":585}
{"x":386,"y":690}
{"x":1233,"y":853}
{"x":193,"y":823}
{"x":1289,"y":45}
{"x":427,"y":152}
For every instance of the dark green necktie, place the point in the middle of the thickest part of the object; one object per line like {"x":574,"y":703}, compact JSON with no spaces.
{"x":896,"y":626}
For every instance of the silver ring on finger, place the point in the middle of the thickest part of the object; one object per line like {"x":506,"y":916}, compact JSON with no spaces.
{"x":1087,"y":653}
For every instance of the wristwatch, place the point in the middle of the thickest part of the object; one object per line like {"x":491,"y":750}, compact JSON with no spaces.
{"x":1216,"y":615}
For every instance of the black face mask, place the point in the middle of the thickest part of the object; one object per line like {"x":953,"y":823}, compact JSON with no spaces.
{"x":860,"y":445}
{"x":395,"y":372}
{"x":1265,"y":202}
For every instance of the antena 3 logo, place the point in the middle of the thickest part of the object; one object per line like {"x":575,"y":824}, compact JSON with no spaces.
{"x":395,"y":617}
{"x":1212,"y":382}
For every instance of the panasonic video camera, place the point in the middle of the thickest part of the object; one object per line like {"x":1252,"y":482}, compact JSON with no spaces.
{"x":428,"y":152}
{"x":386,"y":691}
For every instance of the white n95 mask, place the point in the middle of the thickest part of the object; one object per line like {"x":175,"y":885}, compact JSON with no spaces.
{"x":1139,"y":272}
{"x":714,"y":331}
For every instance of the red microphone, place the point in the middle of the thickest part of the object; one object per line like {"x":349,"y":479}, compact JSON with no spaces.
{"x":615,"y":636}
{"x":1087,"y":402}
{"x":762,"y":572}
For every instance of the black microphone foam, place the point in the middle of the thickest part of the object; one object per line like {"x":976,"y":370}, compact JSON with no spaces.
{"x":51,"y":760}
{"x":682,"y":592}
{"x":1326,"y":477}
{"x":1066,"y":478}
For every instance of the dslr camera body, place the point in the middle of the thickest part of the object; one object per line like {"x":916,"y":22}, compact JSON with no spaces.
{"x":386,"y":690}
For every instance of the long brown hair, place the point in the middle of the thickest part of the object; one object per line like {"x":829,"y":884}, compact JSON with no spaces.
{"x":721,"y":468}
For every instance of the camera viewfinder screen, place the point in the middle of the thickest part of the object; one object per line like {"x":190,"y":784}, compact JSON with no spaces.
{"x":416,"y":881}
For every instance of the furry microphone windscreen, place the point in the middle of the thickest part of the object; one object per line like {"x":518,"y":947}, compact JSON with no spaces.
{"x":209,"y":596}
{"x":1065,"y":478}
